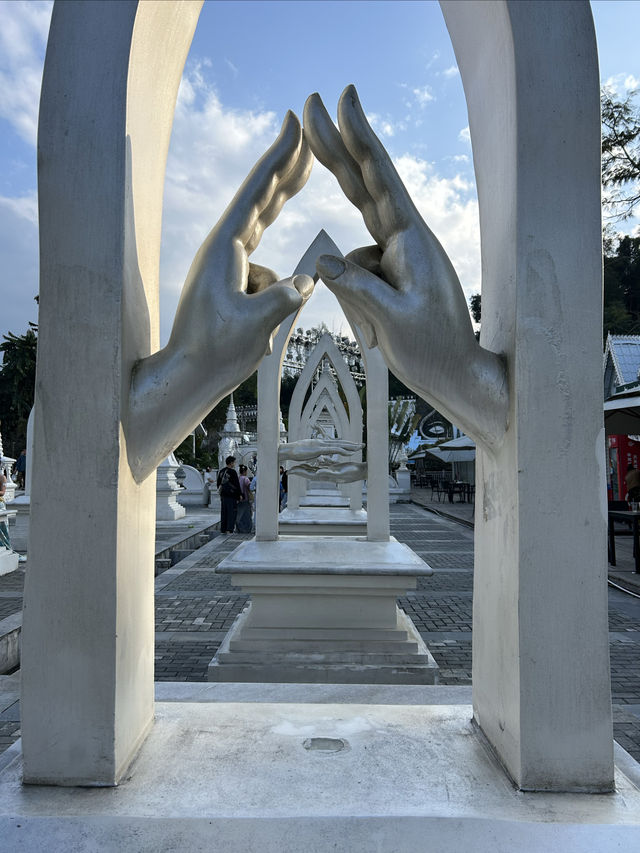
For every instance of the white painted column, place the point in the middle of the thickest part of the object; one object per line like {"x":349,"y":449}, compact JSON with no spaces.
{"x":267,"y":491}
{"x":540,"y":644}
{"x":111,"y":77}
{"x":377,"y":442}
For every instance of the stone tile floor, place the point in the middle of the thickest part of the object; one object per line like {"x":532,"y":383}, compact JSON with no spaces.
{"x":195,"y":607}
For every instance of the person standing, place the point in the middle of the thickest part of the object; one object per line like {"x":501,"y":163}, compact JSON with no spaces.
{"x":5,"y":541}
{"x":284,"y":487}
{"x":209,"y":484}
{"x":229,"y":491}
{"x":20,"y":468}
{"x":632,"y":481}
{"x":243,"y":520}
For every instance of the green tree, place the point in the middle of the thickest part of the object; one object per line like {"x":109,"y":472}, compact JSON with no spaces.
{"x":475,"y":303}
{"x":17,"y":387}
{"x":620,"y":154}
{"x":622,"y":286}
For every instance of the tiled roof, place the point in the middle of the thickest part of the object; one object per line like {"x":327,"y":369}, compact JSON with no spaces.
{"x":625,"y":355}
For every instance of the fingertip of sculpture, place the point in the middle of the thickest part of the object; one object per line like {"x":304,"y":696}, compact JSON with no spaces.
{"x":304,"y":284}
{"x":330,"y":267}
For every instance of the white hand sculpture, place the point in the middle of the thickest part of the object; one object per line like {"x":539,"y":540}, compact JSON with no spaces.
{"x":339,"y":472}
{"x":312,"y":448}
{"x":403,"y":292}
{"x":227,"y":312}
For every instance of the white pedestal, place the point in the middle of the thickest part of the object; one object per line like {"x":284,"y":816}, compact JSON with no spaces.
{"x":167,"y":491}
{"x":322,"y":521}
{"x":337,"y":499}
{"x":8,"y":561}
{"x":324,"y":610}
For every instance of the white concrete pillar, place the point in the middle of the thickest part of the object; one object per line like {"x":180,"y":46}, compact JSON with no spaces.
{"x":377,"y":441}
{"x":111,"y":77}
{"x":540,"y":643}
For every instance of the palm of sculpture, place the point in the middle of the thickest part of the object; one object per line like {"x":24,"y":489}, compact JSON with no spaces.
{"x":173,"y":389}
{"x":404,"y":292}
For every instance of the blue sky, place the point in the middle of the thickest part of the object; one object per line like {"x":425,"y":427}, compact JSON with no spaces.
{"x":249,"y":63}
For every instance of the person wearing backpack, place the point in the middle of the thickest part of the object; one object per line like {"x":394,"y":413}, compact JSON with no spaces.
{"x":229,"y":491}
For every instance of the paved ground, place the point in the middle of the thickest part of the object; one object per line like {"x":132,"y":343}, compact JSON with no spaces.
{"x":195,"y":607}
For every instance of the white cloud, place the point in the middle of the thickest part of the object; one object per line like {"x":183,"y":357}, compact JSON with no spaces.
{"x":465,"y":135}
{"x":23,"y":37}
{"x":19,"y":253}
{"x":384,"y":126}
{"x":619,"y":85}
{"x":450,"y":209}
{"x":423,"y":95}
{"x":25,"y":207}
{"x":213,"y":148}
{"x":230,"y":66}
{"x":453,"y":71}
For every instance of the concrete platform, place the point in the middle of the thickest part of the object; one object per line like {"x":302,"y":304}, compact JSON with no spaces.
{"x":314,"y":769}
{"x":324,"y":521}
{"x":324,"y":500}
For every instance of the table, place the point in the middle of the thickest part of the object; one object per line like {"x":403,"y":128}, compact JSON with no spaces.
{"x":624,"y":515}
{"x":463,"y":490}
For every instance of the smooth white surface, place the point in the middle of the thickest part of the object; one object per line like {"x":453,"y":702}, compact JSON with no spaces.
{"x":235,"y":776}
{"x":377,"y":441}
{"x":328,"y":555}
{"x":540,"y":642}
{"x":331,"y":521}
{"x":167,"y":491}
{"x":111,"y":77}
{"x":8,"y":561}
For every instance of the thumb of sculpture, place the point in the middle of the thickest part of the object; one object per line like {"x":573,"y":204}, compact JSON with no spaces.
{"x":361,"y":293}
{"x":283,"y":298}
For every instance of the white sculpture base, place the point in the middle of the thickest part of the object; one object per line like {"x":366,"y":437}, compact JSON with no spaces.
{"x":227,"y":764}
{"x":336,"y":499}
{"x":324,"y":610}
{"x":168,"y":508}
{"x":8,"y":561}
{"x":167,"y":491}
{"x":322,"y":521}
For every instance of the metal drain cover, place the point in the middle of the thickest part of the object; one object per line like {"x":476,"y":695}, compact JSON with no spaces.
{"x":325,"y":744}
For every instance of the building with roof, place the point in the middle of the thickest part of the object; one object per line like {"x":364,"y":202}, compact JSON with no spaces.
{"x":621,"y":362}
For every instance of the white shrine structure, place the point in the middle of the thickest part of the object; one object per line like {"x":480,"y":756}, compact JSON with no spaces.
{"x":219,"y":761}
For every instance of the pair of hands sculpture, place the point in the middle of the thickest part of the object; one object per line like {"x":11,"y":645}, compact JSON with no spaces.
{"x":403,"y":294}
{"x":314,"y":459}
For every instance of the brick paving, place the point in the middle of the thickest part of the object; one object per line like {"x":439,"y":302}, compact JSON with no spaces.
{"x":195,"y":607}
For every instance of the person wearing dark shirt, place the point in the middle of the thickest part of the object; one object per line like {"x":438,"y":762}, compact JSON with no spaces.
{"x":632,"y":481}
{"x":229,"y":490}
{"x":243,"y":521}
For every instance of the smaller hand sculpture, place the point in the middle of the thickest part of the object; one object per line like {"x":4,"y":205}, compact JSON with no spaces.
{"x":227,"y":312}
{"x":403,"y":293}
{"x":311,"y":448}
{"x":337,"y":472}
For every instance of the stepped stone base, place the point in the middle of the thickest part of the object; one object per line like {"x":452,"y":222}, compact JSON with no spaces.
{"x":348,"y":656}
{"x":324,"y":610}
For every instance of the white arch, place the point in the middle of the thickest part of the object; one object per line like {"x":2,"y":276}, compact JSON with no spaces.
{"x":531,"y":80}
